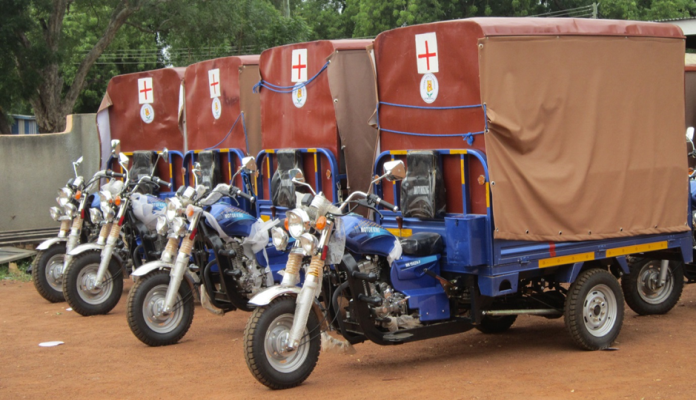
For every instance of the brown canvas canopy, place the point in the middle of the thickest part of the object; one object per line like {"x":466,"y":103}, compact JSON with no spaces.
{"x":585,"y":119}
{"x":336,"y":106}
{"x":142,"y":111}
{"x":217,"y":92}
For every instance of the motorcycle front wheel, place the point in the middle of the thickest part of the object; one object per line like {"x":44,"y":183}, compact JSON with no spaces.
{"x":144,"y":311}
{"x":47,"y":273}
{"x":265,"y":341}
{"x":81,"y":291}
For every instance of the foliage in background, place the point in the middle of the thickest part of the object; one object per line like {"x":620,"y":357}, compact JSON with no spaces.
{"x":58,"y":55}
{"x":22,"y":275}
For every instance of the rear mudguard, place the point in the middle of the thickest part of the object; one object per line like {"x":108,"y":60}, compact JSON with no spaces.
{"x":50,"y":242}
{"x":85,"y":247}
{"x":156,"y":265}
{"x":267,"y":296}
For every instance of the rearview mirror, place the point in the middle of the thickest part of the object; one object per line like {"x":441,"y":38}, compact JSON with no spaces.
{"x":165,"y":154}
{"x":249,"y":164}
{"x":394,"y":170}
{"x":690,"y":133}
{"x":116,"y":147}
{"x":296,"y":175}
{"x":197,"y":170}
{"x":123,"y":159}
{"x":79,"y":161}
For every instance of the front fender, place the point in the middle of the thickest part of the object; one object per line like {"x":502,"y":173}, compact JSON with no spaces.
{"x":85,"y":247}
{"x":50,"y":242}
{"x":149,"y":267}
{"x":267,"y":296}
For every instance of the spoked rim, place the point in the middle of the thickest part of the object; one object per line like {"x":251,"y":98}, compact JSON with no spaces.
{"x":599,"y":310}
{"x":54,"y":272}
{"x":648,"y":283}
{"x":275,"y":345}
{"x":152,"y":310}
{"x":87,"y":288}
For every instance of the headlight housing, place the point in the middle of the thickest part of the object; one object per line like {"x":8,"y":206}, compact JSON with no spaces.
{"x":70,"y":210}
{"x":279,"y":238}
{"x":309,"y":243}
{"x":64,"y":196}
{"x":55,"y":213}
{"x":161,"y":225}
{"x":177,"y":226}
{"x":173,"y":208}
{"x":95,"y":216}
{"x":298,"y":222}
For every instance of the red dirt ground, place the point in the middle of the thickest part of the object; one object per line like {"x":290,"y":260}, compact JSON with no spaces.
{"x":101,"y":359}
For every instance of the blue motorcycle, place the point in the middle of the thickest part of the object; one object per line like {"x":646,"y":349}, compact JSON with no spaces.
{"x":212,"y":246}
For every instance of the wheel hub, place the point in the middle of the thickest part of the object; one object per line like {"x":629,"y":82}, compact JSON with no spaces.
{"x":599,"y":310}
{"x":156,"y":317}
{"x":87,"y":287}
{"x":54,"y":272}
{"x":278,"y":353}
{"x":649,"y":287}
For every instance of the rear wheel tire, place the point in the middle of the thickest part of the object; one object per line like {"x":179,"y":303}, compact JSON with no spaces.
{"x":496,"y":324}
{"x":79,"y":289}
{"x":264,"y":337}
{"x":47,"y":273}
{"x":594,"y":309}
{"x":145,"y":302}
{"x":640,"y":287}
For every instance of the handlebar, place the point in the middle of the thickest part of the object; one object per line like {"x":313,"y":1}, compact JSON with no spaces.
{"x":385,"y":204}
{"x":241,"y":194}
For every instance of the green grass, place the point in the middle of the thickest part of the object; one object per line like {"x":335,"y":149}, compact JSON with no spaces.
{"x":22,"y":276}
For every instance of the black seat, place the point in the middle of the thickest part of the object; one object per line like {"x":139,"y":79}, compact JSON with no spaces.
{"x":142,"y":166}
{"x":423,"y":244}
{"x":282,"y":188}
{"x":423,"y":190}
{"x":210,"y":172}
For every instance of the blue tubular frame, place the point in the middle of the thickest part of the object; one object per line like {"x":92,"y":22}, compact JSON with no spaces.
{"x":507,"y":259}
{"x":264,"y":157}
{"x":172,"y":153}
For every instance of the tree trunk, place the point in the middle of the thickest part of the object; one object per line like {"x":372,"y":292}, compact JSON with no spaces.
{"x":5,"y":128}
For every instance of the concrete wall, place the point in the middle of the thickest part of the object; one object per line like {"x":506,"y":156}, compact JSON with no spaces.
{"x":34,"y":167}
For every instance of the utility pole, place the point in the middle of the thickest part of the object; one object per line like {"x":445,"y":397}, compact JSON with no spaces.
{"x":286,"y":8}
{"x":595,"y":6}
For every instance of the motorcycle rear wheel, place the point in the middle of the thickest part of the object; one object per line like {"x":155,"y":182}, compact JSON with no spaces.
{"x":264,"y":336}
{"x":145,"y":302}
{"x":78,"y":285}
{"x":45,"y":274}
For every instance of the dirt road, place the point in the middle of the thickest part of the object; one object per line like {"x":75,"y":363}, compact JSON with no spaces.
{"x":101,"y":359}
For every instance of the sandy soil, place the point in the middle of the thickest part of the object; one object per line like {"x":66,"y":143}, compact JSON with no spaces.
{"x":101,"y":359}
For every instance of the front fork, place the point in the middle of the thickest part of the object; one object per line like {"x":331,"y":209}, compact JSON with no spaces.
{"x":73,"y":240}
{"x":177,"y":273}
{"x":106,"y":253}
{"x":310,"y":290}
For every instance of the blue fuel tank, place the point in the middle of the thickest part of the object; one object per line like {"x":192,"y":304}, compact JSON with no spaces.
{"x":233,"y":221}
{"x":366,"y":237}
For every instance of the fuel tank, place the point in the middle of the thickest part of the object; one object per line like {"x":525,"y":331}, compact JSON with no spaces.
{"x":147,"y":208}
{"x":232,"y":220}
{"x":367,"y":237}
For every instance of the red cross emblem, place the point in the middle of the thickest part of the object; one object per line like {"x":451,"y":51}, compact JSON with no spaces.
{"x":213,"y":84}
{"x":299,"y":65}
{"x":145,"y":89}
{"x":427,"y":55}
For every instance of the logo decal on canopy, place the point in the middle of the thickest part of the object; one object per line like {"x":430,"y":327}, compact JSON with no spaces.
{"x":299,"y":65}
{"x":145,"y":91}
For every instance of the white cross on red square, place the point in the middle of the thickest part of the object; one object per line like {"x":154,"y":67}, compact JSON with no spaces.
{"x":299,"y":65}
{"x":426,"y":53}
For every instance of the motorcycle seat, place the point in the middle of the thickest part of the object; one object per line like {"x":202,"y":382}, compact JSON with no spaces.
{"x":422,"y":244}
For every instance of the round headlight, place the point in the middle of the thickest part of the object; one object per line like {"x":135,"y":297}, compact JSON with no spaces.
{"x":64,"y":196}
{"x":177,"y":225}
{"x":308,"y":243}
{"x":298,"y":222}
{"x":173,"y":208}
{"x":55,"y":213}
{"x":70,"y":210}
{"x":95,"y":215}
{"x":161,"y":225}
{"x":279,"y":238}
